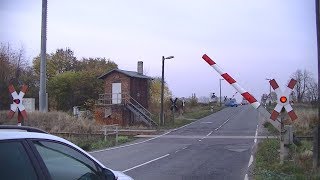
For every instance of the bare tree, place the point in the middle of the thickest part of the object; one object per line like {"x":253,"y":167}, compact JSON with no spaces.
{"x":312,"y":91}
{"x":204,"y":99}
{"x":303,"y":80}
{"x":12,"y":64}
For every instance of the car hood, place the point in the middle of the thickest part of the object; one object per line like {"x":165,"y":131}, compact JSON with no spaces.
{"x":121,"y":176}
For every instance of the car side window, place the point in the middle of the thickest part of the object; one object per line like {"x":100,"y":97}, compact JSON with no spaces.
{"x":63,"y":162}
{"x":15,"y":162}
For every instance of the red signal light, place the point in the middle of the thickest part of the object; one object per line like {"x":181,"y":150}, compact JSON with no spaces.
{"x":283,"y":99}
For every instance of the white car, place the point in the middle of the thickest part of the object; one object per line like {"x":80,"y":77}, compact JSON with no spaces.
{"x":30,"y":153}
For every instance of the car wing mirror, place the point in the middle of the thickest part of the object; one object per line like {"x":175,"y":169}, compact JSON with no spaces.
{"x":108,"y":174}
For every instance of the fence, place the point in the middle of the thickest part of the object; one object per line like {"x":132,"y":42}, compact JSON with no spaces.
{"x":106,"y":131}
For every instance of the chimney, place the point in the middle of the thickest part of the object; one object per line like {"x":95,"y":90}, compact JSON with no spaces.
{"x":140,"y":67}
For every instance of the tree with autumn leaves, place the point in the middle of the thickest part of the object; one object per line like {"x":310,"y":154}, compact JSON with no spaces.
{"x":70,"y":81}
{"x":155,"y":95}
{"x":73,"y":82}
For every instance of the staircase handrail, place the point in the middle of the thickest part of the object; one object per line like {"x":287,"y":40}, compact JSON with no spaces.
{"x":136,"y":102}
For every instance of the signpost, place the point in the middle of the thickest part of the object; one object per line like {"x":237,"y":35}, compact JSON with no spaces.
{"x":173,"y":107}
{"x":213,"y":95}
{"x":17,"y":104}
{"x":282,"y":105}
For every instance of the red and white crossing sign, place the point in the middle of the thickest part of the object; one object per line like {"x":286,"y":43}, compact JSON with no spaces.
{"x":17,"y":103}
{"x":283,"y":99}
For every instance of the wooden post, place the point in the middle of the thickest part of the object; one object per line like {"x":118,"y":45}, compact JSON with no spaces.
{"x":281,"y":143}
{"x":105,"y":133}
{"x":116,"y":134}
{"x":284,"y":151}
{"x":316,"y":147}
{"x":173,"y":115}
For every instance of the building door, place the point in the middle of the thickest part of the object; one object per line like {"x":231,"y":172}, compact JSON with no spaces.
{"x":116,"y":93}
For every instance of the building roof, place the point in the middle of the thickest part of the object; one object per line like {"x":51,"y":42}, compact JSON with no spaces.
{"x":128,"y":73}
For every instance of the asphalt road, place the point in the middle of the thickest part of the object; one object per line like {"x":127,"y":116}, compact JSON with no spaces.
{"x":214,"y":147}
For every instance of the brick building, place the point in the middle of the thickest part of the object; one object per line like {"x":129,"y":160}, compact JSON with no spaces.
{"x":125,"y":99}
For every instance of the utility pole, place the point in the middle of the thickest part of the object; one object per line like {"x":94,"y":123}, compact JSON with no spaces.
{"x":162,"y":92}
{"x":268,"y":79}
{"x":162,"y":88}
{"x":220,"y":89}
{"x":270,"y":97}
{"x":316,"y":143}
{"x":43,"y":77}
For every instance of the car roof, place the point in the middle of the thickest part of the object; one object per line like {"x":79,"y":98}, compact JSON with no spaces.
{"x":21,"y":134}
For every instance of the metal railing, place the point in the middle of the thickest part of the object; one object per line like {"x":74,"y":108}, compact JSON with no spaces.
{"x":134,"y":102}
{"x":108,"y":99}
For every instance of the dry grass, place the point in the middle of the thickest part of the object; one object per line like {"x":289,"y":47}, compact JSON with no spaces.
{"x":267,"y":160}
{"x":54,"y":122}
{"x":307,"y":119}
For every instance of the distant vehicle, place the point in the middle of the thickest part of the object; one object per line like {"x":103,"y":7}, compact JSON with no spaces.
{"x":30,"y":153}
{"x":244,"y":102}
{"x":231,"y":103}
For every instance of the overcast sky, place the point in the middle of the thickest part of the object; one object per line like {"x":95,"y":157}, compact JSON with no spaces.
{"x":250,"y":39}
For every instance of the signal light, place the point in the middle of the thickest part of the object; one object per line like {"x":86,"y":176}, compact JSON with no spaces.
{"x":283,"y":99}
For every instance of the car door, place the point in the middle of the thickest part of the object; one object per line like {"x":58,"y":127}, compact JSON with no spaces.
{"x":18,"y":162}
{"x":65,"y":162}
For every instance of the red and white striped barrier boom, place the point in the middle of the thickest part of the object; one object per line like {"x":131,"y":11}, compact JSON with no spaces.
{"x":232,"y":82}
{"x":254,"y":103}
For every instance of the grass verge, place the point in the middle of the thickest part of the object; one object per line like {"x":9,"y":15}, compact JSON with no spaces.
{"x":177,"y":123}
{"x":270,"y":128}
{"x":299,"y":165}
{"x":197,"y":114}
{"x":190,"y":115}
